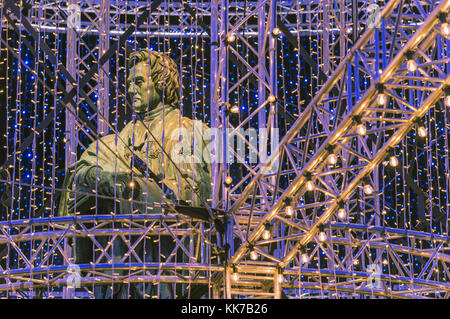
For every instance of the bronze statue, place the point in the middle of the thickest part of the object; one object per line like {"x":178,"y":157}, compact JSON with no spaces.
{"x":157,"y":155}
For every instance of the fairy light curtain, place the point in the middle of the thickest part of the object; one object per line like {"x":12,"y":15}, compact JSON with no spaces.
{"x":36,"y":144}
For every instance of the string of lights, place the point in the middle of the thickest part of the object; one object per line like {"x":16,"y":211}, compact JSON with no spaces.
{"x":329,"y":121}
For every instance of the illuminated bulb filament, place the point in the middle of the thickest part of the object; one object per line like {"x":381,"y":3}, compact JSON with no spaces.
{"x":289,"y":210}
{"x":322,"y":236}
{"x":253,"y":255}
{"x":332,"y":159}
{"x":309,"y":186}
{"x":234,"y":109}
{"x":447,"y":100}
{"x":422,"y":131}
{"x":235,"y":276}
{"x":280,"y":277}
{"x":228,"y":180}
{"x":271,"y":98}
{"x":266,"y":234}
{"x":445,"y":29}
{"x":381,"y":99}
{"x":231,"y":38}
{"x":368,"y":190}
{"x":305,"y":258}
{"x":361,"y":129}
{"x":411,"y":65}
{"x":341,"y":213}
{"x":393,"y":161}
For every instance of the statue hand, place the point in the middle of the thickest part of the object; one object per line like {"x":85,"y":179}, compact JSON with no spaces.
{"x":107,"y":180}
{"x":124,"y":187}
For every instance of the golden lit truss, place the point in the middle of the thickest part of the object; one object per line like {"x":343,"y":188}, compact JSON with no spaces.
{"x":335,"y":212}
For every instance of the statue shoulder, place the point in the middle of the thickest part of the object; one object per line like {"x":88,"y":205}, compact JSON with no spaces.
{"x":103,"y":145}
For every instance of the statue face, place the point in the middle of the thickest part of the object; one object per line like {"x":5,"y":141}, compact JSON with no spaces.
{"x":142,"y":89}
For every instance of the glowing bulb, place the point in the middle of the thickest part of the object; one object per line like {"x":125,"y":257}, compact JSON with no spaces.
{"x":332,"y":159}
{"x":309,"y":186}
{"x":393,"y":161}
{"x":228,"y":180}
{"x":342,"y":213}
{"x":266,"y":234}
{"x":280,"y":277}
{"x":131,"y":184}
{"x":355,"y":262}
{"x":235,"y":276}
{"x":322,"y":236}
{"x":445,"y":29}
{"x":361,"y":129}
{"x":447,"y":100}
{"x":368,"y":190}
{"x":276,"y":31}
{"x":305,"y":258}
{"x":422,"y":131}
{"x":253,"y":255}
{"x":411,"y":65}
{"x":384,"y":212}
{"x":234,"y":109}
{"x":271,"y":98}
{"x":381,"y":99}
{"x":231,"y":38}
{"x":289,"y":210}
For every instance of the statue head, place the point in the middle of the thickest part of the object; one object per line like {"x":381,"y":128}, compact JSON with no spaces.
{"x":153,"y":80}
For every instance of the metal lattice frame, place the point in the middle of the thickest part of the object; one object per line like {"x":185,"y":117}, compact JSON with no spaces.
{"x":259,"y":198}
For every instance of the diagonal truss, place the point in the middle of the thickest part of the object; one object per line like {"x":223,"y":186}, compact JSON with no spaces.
{"x":355,"y":59}
{"x":307,"y":148}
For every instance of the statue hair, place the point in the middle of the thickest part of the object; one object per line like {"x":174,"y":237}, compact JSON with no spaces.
{"x":163,"y":71}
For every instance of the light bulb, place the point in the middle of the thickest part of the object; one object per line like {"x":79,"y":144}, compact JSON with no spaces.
{"x":235,"y":276}
{"x":131,"y":184}
{"x":445,"y":29}
{"x":253,"y":255}
{"x":342,"y":213}
{"x":332,"y":159}
{"x":368,"y":190}
{"x":393,"y":161}
{"x":271,"y":98}
{"x":309,"y":186}
{"x":322,"y":236}
{"x":234,"y":109}
{"x":289,"y":210}
{"x":381,"y":99}
{"x":361,"y":129}
{"x":266,"y":234}
{"x":276,"y":31}
{"x":422,"y":131}
{"x":231,"y":37}
{"x":228,"y":180}
{"x":447,"y":100}
{"x":411,"y":65}
{"x":305,"y":258}
{"x":280,"y":277}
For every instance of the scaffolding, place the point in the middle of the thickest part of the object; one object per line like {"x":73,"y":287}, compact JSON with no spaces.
{"x":340,"y":178}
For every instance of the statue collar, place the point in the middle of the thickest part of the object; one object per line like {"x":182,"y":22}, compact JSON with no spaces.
{"x":157,"y":113}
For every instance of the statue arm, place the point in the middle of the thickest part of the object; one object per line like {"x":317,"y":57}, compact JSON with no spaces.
{"x":90,"y":172}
